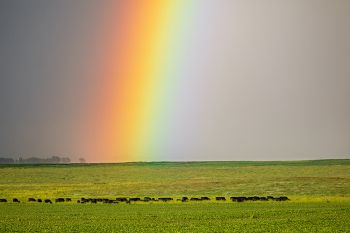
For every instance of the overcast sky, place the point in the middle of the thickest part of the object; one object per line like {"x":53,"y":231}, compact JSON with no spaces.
{"x":274,"y":79}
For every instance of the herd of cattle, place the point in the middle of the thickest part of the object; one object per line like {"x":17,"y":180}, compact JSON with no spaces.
{"x":149,"y":199}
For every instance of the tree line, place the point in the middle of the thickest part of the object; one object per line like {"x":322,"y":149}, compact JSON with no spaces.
{"x":36,"y":160}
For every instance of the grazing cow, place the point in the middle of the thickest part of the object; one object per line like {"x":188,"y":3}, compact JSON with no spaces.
{"x":68,"y":199}
{"x":255,"y":198}
{"x":184,"y":199}
{"x":263,"y":199}
{"x":59,"y":200}
{"x":48,"y":201}
{"x":195,"y":199}
{"x":282,"y":199}
{"x":220,"y":198}
{"x":238,"y":199}
{"x":84,"y":200}
{"x":15,"y":200}
{"x":39,"y":200}
{"x":122,"y":199}
{"x":3,"y":200}
{"x":31,"y":199}
{"x":104,"y":200}
{"x":205,"y":198}
{"x":93,"y":200}
{"x":134,"y":199}
{"x":107,"y":201}
{"x":165,"y":199}
{"x":270,"y":198}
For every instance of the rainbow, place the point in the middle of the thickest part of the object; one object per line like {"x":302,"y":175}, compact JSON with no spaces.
{"x":145,"y":43}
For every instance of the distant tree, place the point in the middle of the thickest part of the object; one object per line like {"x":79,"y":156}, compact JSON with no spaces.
{"x":32,"y":160}
{"x":65,"y":160}
{"x":54,"y":159}
{"x":6,"y":160}
{"x":82,"y":160}
{"x":36,"y":160}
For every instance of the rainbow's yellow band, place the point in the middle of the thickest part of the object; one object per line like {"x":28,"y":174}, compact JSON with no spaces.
{"x":140,"y":68}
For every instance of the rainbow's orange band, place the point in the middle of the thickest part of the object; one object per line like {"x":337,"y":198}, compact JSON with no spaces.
{"x":142,"y":38}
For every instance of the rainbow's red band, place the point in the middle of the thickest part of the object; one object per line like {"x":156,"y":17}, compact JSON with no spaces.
{"x":141,"y":38}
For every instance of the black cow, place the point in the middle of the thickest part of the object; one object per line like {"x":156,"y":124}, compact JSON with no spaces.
{"x":282,"y":199}
{"x":270,"y":198}
{"x":238,"y":199}
{"x":134,"y":199}
{"x":93,"y":200}
{"x":147,"y":199}
{"x":39,"y":200}
{"x":15,"y":200}
{"x":220,"y":198}
{"x":184,"y":199}
{"x":205,"y":198}
{"x":3,"y":200}
{"x":165,"y":199}
{"x":59,"y":200}
{"x":31,"y":199}
{"x":68,"y":199}
{"x":48,"y":201}
{"x":195,"y":199}
{"x":84,"y":200}
{"x":122,"y":199}
{"x":254,"y":198}
{"x":263,"y":199}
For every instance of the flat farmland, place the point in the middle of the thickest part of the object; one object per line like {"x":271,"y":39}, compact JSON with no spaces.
{"x":188,"y":217}
{"x":319,"y":192}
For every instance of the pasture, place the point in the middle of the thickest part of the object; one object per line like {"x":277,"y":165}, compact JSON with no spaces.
{"x":319,"y":193}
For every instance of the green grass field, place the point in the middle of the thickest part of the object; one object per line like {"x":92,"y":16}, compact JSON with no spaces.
{"x":319,"y":193}
{"x":212,"y":217}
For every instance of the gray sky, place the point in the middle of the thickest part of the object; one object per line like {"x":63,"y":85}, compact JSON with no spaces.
{"x":269,"y":80}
